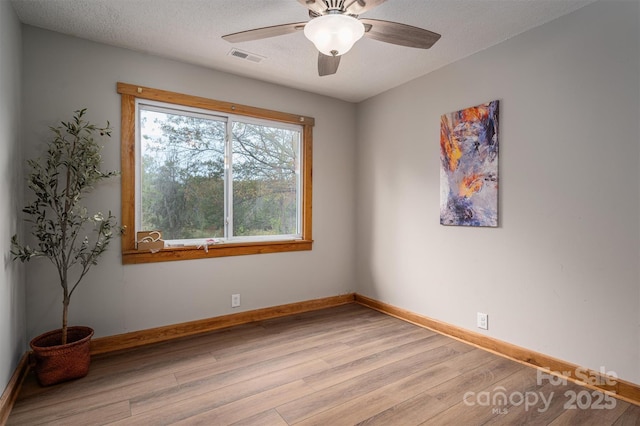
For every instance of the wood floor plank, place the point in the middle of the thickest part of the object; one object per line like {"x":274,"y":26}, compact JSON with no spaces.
{"x":232,"y":373}
{"x":52,"y":409}
{"x":376,"y":332}
{"x":272,"y":373}
{"x":246,"y":359}
{"x":252,"y":405}
{"x":474,"y":380}
{"x":409,"y":412}
{"x":385,"y":399}
{"x":368,"y":381}
{"x":301,"y":324}
{"x":102,"y":415}
{"x":473,"y":359}
{"x":590,"y":416}
{"x":152,"y":357}
{"x":182,"y":403}
{"x":268,"y":418}
{"x":199,"y":343}
{"x":542,"y":413}
{"x":338,"y":366}
{"x":418,"y":405}
{"x":355,"y":367}
{"x":352,"y":411}
{"x":388,"y":341}
{"x":98,"y":384}
{"x":484,"y":405}
{"x":631,"y":417}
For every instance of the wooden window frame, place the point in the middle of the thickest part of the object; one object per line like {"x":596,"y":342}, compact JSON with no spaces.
{"x":129,"y":93}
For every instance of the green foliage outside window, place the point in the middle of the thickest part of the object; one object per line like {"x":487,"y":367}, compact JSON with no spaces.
{"x":183,"y":177}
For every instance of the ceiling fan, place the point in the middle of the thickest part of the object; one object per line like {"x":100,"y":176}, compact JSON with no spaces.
{"x":334,"y":28}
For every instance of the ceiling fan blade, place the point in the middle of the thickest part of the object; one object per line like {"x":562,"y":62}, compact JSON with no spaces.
{"x":316,"y":6}
{"x":327,"y":65}
{"x":266,"y":32}
{"x":400,"y":34}
{"x":357,"y":7}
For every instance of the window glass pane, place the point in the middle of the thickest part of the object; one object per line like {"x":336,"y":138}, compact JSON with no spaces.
{"x":266,"y":180}
{"x":182,"y":174}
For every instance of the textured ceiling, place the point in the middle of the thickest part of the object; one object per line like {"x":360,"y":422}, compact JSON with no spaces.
{"x":191,"y":30}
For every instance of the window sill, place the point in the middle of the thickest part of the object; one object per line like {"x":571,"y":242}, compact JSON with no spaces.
{"x":217,"y":250}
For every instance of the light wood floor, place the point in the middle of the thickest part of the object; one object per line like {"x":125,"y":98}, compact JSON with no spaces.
{"x":340,"y":366}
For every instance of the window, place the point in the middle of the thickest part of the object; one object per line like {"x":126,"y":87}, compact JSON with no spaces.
{"x":217,"y":179}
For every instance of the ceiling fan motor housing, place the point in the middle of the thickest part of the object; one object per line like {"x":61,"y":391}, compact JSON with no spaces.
{"x":334,"y":5}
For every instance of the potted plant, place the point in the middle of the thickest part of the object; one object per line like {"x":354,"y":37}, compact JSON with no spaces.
{"x":67,"y":235}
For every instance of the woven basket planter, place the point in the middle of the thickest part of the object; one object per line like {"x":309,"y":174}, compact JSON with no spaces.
{"x":56,"y":363}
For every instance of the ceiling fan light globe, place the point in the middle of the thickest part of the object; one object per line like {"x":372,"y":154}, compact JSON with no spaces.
{"x":334,"y":34}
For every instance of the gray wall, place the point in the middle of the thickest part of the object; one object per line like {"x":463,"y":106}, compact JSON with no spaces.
{"x":560,"y":275}
{"x":63,"y":73}
{"x":12,"y":307}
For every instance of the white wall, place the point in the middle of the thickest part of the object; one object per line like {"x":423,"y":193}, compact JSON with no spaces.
{"x":12,"y":308}
{"x":63,"y":73}
{"x":560,"y":275}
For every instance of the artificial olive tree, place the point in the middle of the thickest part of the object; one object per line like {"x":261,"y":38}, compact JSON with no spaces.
{"x":65,"y":232}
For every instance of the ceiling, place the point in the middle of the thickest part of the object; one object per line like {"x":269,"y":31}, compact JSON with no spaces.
{"x":191,"y":30}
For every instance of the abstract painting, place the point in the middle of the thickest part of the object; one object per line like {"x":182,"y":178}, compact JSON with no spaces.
{"x":469,"y":166}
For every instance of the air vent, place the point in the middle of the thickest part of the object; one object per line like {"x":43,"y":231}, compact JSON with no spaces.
{"x":252,"y":57}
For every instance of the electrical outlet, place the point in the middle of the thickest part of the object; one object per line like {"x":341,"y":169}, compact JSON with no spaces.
{"x":483,"y":321}
{"x":235,"y":300}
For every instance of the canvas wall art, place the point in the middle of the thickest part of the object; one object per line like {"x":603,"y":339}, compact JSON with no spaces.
{"x":469,"y":166}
